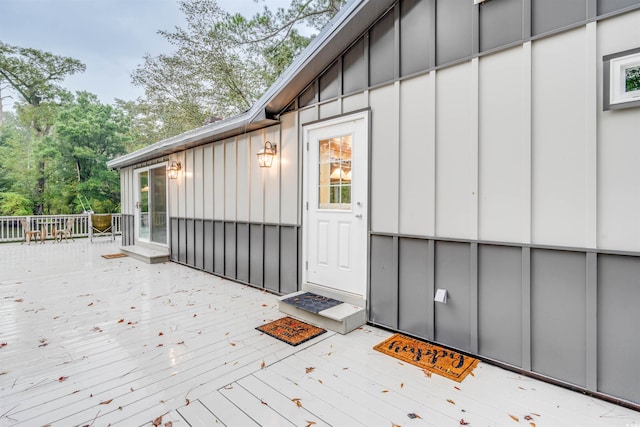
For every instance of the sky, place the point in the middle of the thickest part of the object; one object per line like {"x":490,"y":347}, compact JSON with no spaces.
{"x":110,"y":37}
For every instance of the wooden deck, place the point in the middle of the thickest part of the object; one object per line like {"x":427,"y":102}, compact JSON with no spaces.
{"x":116,"y":342}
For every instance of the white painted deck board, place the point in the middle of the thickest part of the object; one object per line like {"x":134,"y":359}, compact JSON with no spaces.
{"x":114,"y":373}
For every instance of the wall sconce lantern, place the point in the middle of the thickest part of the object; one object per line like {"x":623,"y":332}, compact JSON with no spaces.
{"x":172,"y":171}
{"x":266,"y":154}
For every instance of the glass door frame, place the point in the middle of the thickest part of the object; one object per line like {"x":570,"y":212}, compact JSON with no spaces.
{"x":137,"y":202}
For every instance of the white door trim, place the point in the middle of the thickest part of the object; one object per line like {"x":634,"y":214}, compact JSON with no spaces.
{"x":136,"y":202}
{"x":360,"y":122}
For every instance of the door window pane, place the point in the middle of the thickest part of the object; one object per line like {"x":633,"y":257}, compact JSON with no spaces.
{"x":159,"y":205}
{"x":334,"y":180}
{"x":144,"y":205}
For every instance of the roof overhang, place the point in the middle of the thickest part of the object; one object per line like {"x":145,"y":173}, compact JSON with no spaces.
{"x":344,"y":29}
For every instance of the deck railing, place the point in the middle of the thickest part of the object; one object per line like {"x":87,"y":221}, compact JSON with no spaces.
{"x":11,"y":229}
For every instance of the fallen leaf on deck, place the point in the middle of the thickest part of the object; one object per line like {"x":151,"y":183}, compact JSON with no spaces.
{"x":532,"y":424}
{"x":384,"y":391}
{"x":309,"y":423}
{"x":472,"y":374}
{"x":401,"y":385}
{"x":62,"y":379}
{"x":159,"y":345}
{"x":19,"y":300}
{"x":106,"y":402}
{"x":168,"y":424}
{"x":456,"y":387}
{"x":74,"y":392}
{"x":451,"y":401}
{"x":413,"y":415}
{"x":228,"y":387}
{"x":320,"y":381}
{"x":90,"y":304}
{"x":4,"y":344}
{"x":528,"y":417}
{"x":121,"y":321}
{"x":395,"y":425}
{"x":463,"y":422}
{"x":426,"y":373}
{"x":262,"y":365}
{"x":309,"y":369}
{"x":263,"y":402}
{"x":188,"y":401}
{"x":265,"y":305}
{"x":297,"y":401}
{"x":232,"y":344}
{"x":514,"y":418}
{"x":157,"y":421}
{"x":160,"y":334}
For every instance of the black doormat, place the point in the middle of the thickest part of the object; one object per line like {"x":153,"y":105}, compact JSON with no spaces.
{"x":311,"y":302}
{"x":291,"y":331}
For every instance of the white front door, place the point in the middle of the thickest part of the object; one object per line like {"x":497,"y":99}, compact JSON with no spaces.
{"x":336,"y":203}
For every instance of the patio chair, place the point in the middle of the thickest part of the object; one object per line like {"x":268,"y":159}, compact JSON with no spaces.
{"x":28,"y":232}
{"x":100,"y":225}
{"x":65,"y":232}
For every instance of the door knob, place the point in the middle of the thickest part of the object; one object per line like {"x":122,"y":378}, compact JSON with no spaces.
{"x":359,"y":216}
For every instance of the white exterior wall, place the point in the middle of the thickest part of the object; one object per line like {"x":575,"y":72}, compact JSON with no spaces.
{"x":618,"y":147}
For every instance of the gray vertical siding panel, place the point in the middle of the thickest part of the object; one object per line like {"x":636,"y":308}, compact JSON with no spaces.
{"x":549,"y":15}
{"x":382,"y":48}
{"x":242,"y":252}
{"x":606,"y":6}
{"x":272,"y":258}
{"x":453,"y":30}
{"x":413,"y":291}
{"x":175,"y":239}
{"x":288,"y":259}
{"x":500,"y":303}
{"x":199,"y":243}
{"x":208,"y":246}
{"x":618,"y":345}
{"x":384,"y":281}
{"x":558,"y":301}
{"x":230,"y":249}
{"x":354,"y":69}
{"x":218,"y":247}
{"x":414,"y":33}
{"x":182,"y":239}
{"x":256,"y":255}
{"x":452,"y":320}
{"x":190,"y":227}
{"x":500,"y":23}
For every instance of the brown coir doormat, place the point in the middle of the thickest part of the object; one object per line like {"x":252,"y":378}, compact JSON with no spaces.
{"x":439,"y":360}
{"x":291,"y":331}
{"x":110,"y":256}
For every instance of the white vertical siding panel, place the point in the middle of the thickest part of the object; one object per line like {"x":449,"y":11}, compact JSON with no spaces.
{"x":618,"y":147}
{"x":207,"y":177}
{"x":525,"y":197}
{"x":308,"y":115}
{"x":501,"y":146}
{"x":384,"y":159}
{"x":257,"y":180}
{"x":559,"y":139}
{"x":125,"y":189}
{"x":330,"y":109}
{"x":242,"y":177}
{"x":415,"y":170}
{"x":230,"y":179}
{"x":289,"y":201}
{"x":354,"y":102}
{"x":454,"y":180}
{"x":218,"y":180}
{"x":591,"y":117}
{"x":272,"y":179}
{"x":474,"y":154}
{"x":198,"y":182}
{"x":189,"y":183}
{"x":181,"y":182}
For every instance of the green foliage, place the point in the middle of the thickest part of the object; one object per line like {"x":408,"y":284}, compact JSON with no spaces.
{"x":222,"y":63}
{"x":13,"y":204}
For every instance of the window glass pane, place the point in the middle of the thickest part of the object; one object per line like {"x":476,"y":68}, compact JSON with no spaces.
{"x":334,"y":180}
{"x":308,"y":97}
{"x":143,"y":231}
{"x":159,"y":205}
{"x":632,"y":79}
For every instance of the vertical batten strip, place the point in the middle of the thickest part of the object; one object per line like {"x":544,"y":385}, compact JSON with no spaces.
{"x":431,"y":150}
{"x":591,"y":120}
{"x":473,"y":299}
{"x":474,"y":147}
{"x":591,"y":320}
{"x":526,"y":308}
{"x":526,"y":144}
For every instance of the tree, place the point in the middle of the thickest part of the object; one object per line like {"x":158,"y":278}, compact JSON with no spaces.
{"x":223,"y":63}
{"x":36,"y":76}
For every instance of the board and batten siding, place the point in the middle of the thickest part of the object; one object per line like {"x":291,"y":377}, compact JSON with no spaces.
{"x":502,"y":180}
